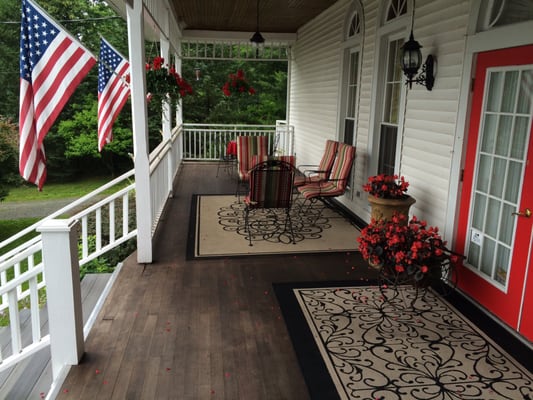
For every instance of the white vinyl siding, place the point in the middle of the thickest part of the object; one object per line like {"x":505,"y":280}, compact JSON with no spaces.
{"x":316,"y":67}
{"x":431,"y":116}
{"x":429,"y":126}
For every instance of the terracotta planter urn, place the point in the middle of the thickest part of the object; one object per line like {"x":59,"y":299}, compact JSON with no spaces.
{"x":381,"y":208}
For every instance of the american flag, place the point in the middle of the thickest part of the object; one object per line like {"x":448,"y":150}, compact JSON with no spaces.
{"x":52,"y":64}
{"x":113,"y":90}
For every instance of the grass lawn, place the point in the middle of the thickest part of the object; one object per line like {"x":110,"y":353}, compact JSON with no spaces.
{"x":56,"y":190}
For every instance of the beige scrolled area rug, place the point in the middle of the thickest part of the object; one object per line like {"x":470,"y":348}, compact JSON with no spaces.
{"x":218,"y":230}
{"x":355,"y":340}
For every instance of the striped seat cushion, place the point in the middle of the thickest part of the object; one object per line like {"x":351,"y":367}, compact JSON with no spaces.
{"x":310,"y":174}
{"x":335,"y":185}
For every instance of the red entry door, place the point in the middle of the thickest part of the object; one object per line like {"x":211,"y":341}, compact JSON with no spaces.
{"x":495,"y":229}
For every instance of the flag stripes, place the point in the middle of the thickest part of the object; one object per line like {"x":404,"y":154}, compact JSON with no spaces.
{"x":113,"y":90}
{"x":52,"y":65}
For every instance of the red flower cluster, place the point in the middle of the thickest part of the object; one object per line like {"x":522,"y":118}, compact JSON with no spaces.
{"x":163,"y":81}
{"x":386,"y":186}
{"x":237,"y":84}
{"x":411,"y":249}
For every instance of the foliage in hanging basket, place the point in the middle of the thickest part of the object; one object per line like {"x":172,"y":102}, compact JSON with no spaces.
{"x":164,"y":83}
{"x":386,"y":186}
{"x":413,"y":249}
{"x":237,"y":84}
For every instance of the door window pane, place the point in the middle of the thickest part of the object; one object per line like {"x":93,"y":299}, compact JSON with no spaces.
{"x":483,"y":177}
{"x":487,"y":256}
{"x":502,"y":264}
{"x":498,"y":175}
{"x":504,"y":135}
{"x":507,"y":224}
{"x":489,"y":133}
{"x":509,"y":91}
{"x":480,"y":204}
{"x":493,"y":217}
{"x":513,"y":182}
{"x":495,"y":90}
{"x":526,"y":92}
{"x":519,"y":137}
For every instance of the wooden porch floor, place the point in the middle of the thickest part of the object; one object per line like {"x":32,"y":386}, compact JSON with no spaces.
{"x":199,"y":329}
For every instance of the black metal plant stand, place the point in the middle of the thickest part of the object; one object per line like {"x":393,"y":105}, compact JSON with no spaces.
{"x":442,"y":278}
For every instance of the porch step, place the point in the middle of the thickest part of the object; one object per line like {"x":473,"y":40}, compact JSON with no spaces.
{"x":32,"y":378}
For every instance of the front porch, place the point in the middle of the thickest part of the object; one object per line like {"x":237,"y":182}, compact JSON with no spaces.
{"x":202,"y":328}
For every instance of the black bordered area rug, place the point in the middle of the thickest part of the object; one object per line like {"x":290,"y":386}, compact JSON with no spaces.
{"x":217,"y":229}
{"x":351,"y":344}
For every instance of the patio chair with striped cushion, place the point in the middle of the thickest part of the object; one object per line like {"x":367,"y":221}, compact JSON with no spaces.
{"x":247,"y":147}
{"x":314,"y":173}
{"x":270,"y":188}
{"x":336,"y":183}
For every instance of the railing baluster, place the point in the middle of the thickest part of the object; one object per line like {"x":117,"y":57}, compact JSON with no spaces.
{"x":112,"y":221}
{"x":98,"y":226}
{"x":84,"y":238}
{"x":14,"y":321}
{"x":34,"y":309}
{"x":125,"y":214}
{"x":17,"y":274}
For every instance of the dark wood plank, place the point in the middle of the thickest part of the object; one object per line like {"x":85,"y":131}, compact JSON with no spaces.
{"x":33,"y":376}
{"x":199,"y":329}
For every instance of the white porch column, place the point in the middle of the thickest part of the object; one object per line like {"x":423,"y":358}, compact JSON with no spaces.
{"x":167,"y":125}
{"x":140,"y":130}
{"x":166,"y":117}
{"x":63,"y":293}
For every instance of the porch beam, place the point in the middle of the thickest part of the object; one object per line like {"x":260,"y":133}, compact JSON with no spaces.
{"x":229,"y":36}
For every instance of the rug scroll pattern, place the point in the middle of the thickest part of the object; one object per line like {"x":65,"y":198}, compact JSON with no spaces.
{"x":375,"y":349}
{"x":218,"y":229}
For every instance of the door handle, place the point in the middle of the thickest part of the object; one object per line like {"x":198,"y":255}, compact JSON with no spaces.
{"x":526,"y":213}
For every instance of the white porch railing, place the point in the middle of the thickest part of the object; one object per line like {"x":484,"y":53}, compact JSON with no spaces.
{"x":207,"y":142}
{"x":106,"y":221}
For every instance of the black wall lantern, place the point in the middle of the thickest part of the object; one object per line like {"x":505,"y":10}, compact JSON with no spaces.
{"x":411,"y":61}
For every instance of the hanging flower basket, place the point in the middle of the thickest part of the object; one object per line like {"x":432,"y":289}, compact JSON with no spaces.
{"x":163,"y":83}
{"x":238,"y":85}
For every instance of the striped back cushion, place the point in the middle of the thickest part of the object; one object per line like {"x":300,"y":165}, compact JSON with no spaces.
{"x":342,"y":166}
{"x":328,"y":158}
{"x":271,"y":185}
{"x":247,"y":147}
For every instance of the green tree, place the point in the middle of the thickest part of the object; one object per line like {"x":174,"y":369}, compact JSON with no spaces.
{"x":9,"y":57}
{"x":8,"y":156}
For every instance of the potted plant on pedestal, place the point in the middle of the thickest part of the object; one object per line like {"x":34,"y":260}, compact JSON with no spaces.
{"x":387,"y":195}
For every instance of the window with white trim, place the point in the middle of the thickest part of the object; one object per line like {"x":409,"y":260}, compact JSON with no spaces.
{"x":390,"y":89}
{"x":350,"y":77}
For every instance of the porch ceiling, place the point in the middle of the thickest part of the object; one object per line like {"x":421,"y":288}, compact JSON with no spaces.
{"x":278,"y":16}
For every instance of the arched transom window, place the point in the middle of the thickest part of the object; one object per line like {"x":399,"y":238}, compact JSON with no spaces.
{"x":396,"y":9}
{"x":503,"y":12}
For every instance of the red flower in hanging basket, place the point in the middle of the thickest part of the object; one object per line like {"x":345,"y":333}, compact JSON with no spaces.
{"x":164,"y":83}
{"x":237,"y":84}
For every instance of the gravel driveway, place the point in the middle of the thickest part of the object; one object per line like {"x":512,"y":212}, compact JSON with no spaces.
{"x":31,"y":209}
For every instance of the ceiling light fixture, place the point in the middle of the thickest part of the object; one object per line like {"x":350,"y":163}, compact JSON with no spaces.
{"x":257,"y":39}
